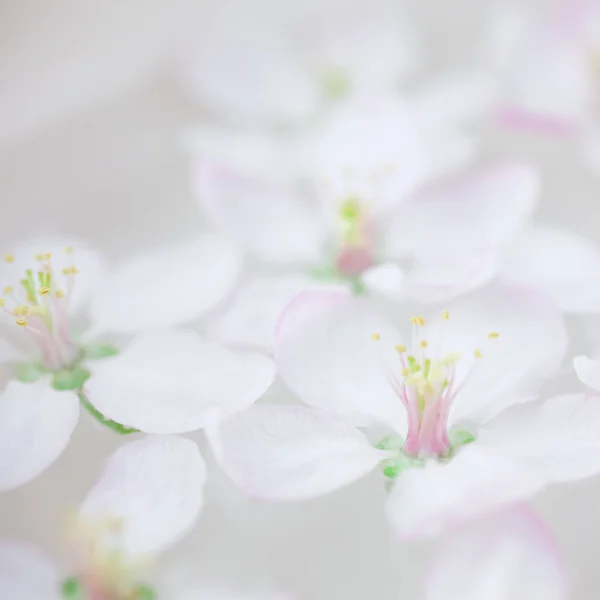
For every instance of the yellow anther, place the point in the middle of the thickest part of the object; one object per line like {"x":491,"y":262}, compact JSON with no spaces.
{"x":1,"y":302}
{"x":375,"y":336}
{"x":400,"y":349}
{"x":8,"y":290}
{"x":47,"y":256}
{"x":423,"y":343}
{"x":59,"y":294}
{"x":493,"y":335}
{"x":405,"y":372}
{"x":44,"y":291}
{"x":445,"y":315}
{"x":69,"y":250}
{"x":478,"y":353}
{"x":417,"y":320}
{"x":39,"y":257}
{"x":70,"y":271}
{"x":9,"y":258}
{"x":22,"y":322}
{"x":21,"y":311}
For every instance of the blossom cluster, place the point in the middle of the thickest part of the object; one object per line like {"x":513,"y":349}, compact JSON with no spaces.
{"x":359,"y":254}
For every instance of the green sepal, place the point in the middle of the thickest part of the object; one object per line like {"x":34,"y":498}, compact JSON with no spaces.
{"x":97,"y":351}
{"x":393,"y":469}
{"x":461,"y":437}
{"x":70,"y":379}
{"x":28,"y":372}
{"x":72,"y":589}
{"x":144,"y":593}
{"x":391,"y":442}
{"x":116,"y":427}
{"x":357,"y":286}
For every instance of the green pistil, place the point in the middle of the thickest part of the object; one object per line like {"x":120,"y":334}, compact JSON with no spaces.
{"x":45,"y":279}
{"x":29,"y":286}
{"x":413,"y":365}
{"x":427,"y":368}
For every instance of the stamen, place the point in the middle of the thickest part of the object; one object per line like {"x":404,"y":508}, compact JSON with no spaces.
{"x":22,"y":322}
{"x":9,"y":258}
{"x":493,"y":335}
{"x":8,"y":290}
{"x":478,"y":353}
{"x":375,"y":337}
{"x":69,"y":250}
{"x":401,"y":349}
{"x":423,"y":343}
{"x":445,"y":315}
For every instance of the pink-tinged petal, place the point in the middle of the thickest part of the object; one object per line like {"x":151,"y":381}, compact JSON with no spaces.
{"x":26,"y":573}
{"x":386,"y":279}
{"x":558,"y":437}
{"x":514,"y":117}
{"x":480,"y":479}
{"x":530,"y":348}
{"x":291,"y":452}
{"x":562,"y":264}
{"x":240,"y":66}
{"x":588,"y":371}
{"x":167,"y":286}
{"x":369,"y":148}
{"x":326,"y":354}
{"x":471,"y":213}
{"x":36,"y":423}
{"x":90,"y":265}
{"x":250,"y":318}
{"x":169,"y":381}
{"x":515,"y":555}
{"x":270,"y":222}
{"x":155,"y":487}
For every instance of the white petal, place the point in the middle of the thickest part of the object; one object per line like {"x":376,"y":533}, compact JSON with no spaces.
{"x":472,"y":213}
{"x":167,"y":382}
{"x":271,"y":223}
{"x":477,"y":481}
{"x":591,"y":149}
{"x":563,"y":265}
{"x":36,"y":423}
{"x":515,"y":555}
{"x":154,"y":485}
{"x":588,"y":371}
{"x":250,"y":318}
{"x":386,"y":279}
{"x":167,"y":286}
{"x":559,"y":437}
{"x":90,"y":265}
{"x":291,"y":452}
{"x":530,"y":348}
{"x":326,"y":354}
{"x":26,"y":573}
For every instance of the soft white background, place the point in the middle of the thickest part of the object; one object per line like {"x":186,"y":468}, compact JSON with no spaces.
{"x":90,"y":146}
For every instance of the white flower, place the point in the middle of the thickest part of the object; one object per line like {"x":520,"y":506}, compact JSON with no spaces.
{"x":465,"y":431}
{"x":508,"y":556}
{"x":164,"y":381}
{"x":254,"y":67}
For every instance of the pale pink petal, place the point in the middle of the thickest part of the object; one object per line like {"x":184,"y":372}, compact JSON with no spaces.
{"x":291,"y":452}
{"x":386,"y":279}
{"x":475,"y":212}
{"x":169,"y":381}
{"x":326,"y":355}
{"x":564,"y":265}
{"x":588,"y":371}
{"x":558,"y":437}
{"x":155,"y":487}
{"x":273,"y":223}
{"x":26,"y":573}
{"x":36,"y":423}
{"x":530,"y":348}
{"x":481,"y":478}
{"x":250,"y":318}
{"x":515,"y":556}
{"x":167,"y":286}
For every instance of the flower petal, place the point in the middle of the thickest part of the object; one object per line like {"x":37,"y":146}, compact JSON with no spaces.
{"x":471,"y":213}
{"x":271,"y":223}
{"x":36,"y":423}
{"x":386,"y":279}
{"x":250,"y":319}
{"x":530,"y":348}
{"x":167,"y":382}
{"x":559,"y":437}
{"x":167,"y":286}
{"x":154,"y":485}
{"x":291,"y":452}
{"x":326,"y":355}
{"x":26,"y":573}
{"x":588,"y":371}
{"x":481,"y":478}
{"x":516,"y":557}
{"x":563,"y":265}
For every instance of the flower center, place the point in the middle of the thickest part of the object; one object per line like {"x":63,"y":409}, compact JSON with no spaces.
{"x":355,"y":239}
{"x":427,"y":387}
{"x":39,"y":304}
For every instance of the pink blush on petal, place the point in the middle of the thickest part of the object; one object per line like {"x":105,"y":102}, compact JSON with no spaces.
{"x":353,"y":262}
{"x":516,"y":118}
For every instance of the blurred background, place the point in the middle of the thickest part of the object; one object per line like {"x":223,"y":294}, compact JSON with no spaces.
{"x":92,"y":122}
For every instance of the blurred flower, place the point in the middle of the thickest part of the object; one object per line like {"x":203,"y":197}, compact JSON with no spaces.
{"x":466,"y":434}
{"x":508,"y":556}
{"x":164,"y":380}
{"x":265,"y":67}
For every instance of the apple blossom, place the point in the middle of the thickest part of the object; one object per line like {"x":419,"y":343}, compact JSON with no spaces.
{"x":465,"y":432}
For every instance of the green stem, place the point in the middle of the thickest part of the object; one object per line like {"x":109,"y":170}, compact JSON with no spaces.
{"x":116,"y":427}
